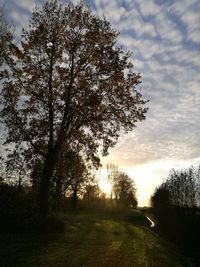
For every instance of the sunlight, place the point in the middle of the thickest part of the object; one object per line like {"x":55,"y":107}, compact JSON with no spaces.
{"x":105,"y":186}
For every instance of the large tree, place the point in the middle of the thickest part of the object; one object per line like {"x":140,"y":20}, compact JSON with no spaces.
{"x":68,"y":84}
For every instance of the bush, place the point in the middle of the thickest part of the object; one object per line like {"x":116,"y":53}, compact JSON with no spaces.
{"x":18,"y":208}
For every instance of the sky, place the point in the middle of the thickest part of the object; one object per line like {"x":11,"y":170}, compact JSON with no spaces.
{"x":164,"y":36}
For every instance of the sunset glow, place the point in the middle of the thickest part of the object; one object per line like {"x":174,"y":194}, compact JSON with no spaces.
{"x":105,"y":186}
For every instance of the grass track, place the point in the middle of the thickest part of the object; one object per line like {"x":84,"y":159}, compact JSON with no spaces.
{"x":92,"y":240}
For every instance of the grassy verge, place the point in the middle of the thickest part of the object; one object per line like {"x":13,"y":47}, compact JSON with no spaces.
{"x":92,"y":239}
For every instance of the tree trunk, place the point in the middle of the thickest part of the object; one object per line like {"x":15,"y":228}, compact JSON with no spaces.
{"x":74,"y":199}
{"x":57,"y":192}
{"x":45,"y":185}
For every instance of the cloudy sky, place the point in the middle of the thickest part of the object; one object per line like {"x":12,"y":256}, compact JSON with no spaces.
{"x":164,"y":36}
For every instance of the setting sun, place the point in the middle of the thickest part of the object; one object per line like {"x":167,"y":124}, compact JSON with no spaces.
{"x":105,"y":186}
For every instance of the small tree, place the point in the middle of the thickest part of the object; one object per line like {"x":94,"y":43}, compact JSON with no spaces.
{"x":92,"y":192}
{"x":123,"y":187}
{"x":124,"y":190}
{"x":17,"y":171}
{"x":182,"y":187}
{"x":68,"y":84}
{"x":77,"y":174}
{"x":112,"y":173}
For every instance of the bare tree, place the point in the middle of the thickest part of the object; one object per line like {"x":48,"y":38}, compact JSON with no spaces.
{"x":17,"y":169}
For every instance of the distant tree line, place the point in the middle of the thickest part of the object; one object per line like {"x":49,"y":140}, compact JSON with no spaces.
{"x":176,"y":207}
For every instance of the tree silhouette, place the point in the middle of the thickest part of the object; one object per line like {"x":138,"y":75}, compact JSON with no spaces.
{"x":124,"y":190}
{"x":123,"y":187}
{"x":76,"y":173}
{"x":17,"y":169}
{"x":175,"y":206}
{"x":68,"y":84}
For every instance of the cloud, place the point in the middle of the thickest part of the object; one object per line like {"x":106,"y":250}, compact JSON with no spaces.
{"x":149,"y":8}
{"x":188,"y":13}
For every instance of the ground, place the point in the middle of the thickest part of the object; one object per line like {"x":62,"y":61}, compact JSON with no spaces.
{"x":92,"y":239}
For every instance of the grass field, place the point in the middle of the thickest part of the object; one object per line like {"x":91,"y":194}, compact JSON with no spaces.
{"x":92,"y":239}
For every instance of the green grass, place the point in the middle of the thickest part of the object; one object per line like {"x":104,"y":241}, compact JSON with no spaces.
{"x":92,"y":240}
